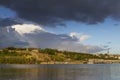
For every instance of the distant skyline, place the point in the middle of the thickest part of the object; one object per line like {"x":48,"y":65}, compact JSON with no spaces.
{"x":74,"y":25}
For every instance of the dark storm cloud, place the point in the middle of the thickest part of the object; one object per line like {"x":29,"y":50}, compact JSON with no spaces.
{"x":7,"y":22}
{"x":53,"y":12}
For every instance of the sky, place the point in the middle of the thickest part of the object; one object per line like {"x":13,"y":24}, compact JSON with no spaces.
{"x":90,"y":26}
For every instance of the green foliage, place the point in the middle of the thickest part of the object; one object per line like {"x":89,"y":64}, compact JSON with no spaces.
{"x":11,"y":48}
{"x":49,"y":51}
{"x":77,"y":56}
{"x":16,"y":60}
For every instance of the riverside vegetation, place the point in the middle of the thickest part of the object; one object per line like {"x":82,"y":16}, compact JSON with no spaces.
{"x":12,"y":55}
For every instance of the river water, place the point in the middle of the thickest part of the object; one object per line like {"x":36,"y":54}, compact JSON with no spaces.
{"x":60,"y":72}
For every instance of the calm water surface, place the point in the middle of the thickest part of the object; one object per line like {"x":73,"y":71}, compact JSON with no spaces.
{"x":60,"y":72}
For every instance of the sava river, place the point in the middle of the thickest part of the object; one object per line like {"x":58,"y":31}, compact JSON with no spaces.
{"x":60,"y":72}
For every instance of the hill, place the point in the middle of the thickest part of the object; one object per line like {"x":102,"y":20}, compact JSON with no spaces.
{"x":12,"y":55}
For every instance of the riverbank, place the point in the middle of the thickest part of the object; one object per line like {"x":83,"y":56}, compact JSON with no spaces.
{"x":13,"y":55}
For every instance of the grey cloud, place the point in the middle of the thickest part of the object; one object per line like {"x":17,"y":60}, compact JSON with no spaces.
{"x":43,"y":39}
{"x":62,"y":42}
{"x":79,"y":47}
{"x":9,"y":37}
{"x":54,"y":12}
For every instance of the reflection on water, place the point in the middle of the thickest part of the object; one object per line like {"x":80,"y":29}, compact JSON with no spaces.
{"x":59,"y":72}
